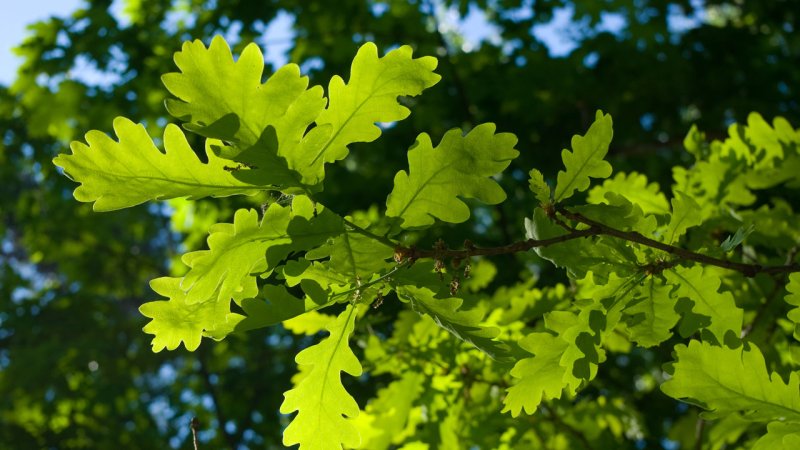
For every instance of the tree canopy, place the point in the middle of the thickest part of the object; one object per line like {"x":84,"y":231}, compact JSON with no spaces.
{"x":609,"y":295}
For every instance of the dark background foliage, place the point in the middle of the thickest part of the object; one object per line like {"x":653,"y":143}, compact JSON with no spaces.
{"x":75,"y":369}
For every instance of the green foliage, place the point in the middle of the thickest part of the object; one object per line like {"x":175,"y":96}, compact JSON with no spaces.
{"x":104,"y":165}
{"x":320,"y":400}
{"x":587,"y":159}
{"x":725,"y":381}
{"x":460,"y":166}
{"x":532,"y":350}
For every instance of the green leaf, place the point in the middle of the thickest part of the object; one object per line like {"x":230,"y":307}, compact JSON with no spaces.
{"x":586,"y":159}
{"x":464,"y":325}
{"x":354,"y":255}
{"x":389,"y":412}
{"x":460,"y":166}
{"x":713,"y":310}
{"x":685,"y":214}
{"x":237,"y":251}
{"x":737,"y":238}
{"x":272,"y":306}
{"x":793,"y":298}
{"x":539,"y":187}
{"x":540,"y":377}
{"x":634,"y":187}
{"x":726,"y":381}
{"x":176,"y":321}
{"x":324,"y":408}
{"x":131,"y":171}
{"x":369,"y":97}
{"x":654,"y":316}
{"x":309,"y":324}
{"x":780,"y":436}
{"x":225,"y":99}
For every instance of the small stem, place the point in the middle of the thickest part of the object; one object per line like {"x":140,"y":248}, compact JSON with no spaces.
{"x":748,"y":270}
{"x":413,"y":253}
{"x":382,"y":239}
{"x":195,"y":424}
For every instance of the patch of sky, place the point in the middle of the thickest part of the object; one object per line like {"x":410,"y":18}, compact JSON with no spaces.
{"x":278,"y":38}
{"x":378,"y":9}
{"x":558,"y":35}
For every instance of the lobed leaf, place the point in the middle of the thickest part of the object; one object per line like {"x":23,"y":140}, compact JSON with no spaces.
{"x":540,"y":377}
{"x":586,"y":159}
{"x":246,"y":247}
{"x":130,"y":171}
{"x":654,"y":316}
{"x":780,"y":436}
{"x":710,"y":309}
{"x":793,"y":298}
{"x":684,"y":216}
{"x":634,"y":187}
{"x":324,"y":408}
{"x":221,"y":98}
{"x":539,"y":187}
{"x":175,"y":321}
{"x":460,"y":166}
{"x":725,"y":381}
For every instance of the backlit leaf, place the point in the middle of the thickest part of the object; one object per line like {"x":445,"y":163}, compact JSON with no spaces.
{"x":724,"y":381}
{"x":131,"y":171}
{"x":324,"y":408}
{"x":586,"y":159}
{"x":460,"y":166}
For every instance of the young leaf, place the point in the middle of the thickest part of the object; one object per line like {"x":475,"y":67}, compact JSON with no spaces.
{"x":793,"y":298}
{"x":725,"y":381}
{"x":731,"y":242}
{"x":175,"y":321}
{"x":539,"y":187}
{"x":323,"y":405}
{"x":685,"y":214}
{"x":460,"y":166}
{"x":541,"y":377}
{"x":237,"y":251}
{"x":369,"y":97}
{"x":586,"y":159}
{"x":711,"y":309}
{"x":124,"y":173}
{"x":464,"y":325}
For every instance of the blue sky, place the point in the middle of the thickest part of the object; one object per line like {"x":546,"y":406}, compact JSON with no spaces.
{"x":473,"y":27}
{"x":13,"y":21}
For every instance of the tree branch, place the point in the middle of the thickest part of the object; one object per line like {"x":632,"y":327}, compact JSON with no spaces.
{"x":748,"y":270}
{"x":439,"y":253}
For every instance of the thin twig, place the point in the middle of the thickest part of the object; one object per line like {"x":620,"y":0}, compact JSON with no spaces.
{"x":413,"y":253}
{"x":748,"y":270}
{"x":195,"y":424}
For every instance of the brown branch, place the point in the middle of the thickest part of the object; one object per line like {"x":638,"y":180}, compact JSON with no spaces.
{"x":439,"y":253}
{"x":194,"y":424}
{"x":748,"y":270}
